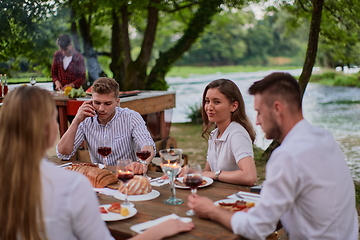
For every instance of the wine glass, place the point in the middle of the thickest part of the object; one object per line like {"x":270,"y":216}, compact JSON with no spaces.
{"x":192,"y":179}
{"x":124,"y":175}
{"x":144,"y":154}
{"x":170,"y":164}
{"x":104,"y":149}
{"x":32,"y":81}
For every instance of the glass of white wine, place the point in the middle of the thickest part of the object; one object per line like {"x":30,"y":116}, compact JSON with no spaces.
{"x":32,"y":81}
{"x":170,"y":164}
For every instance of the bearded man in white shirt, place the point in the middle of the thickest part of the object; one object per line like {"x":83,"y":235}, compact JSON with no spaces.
{"x":308,"y":184}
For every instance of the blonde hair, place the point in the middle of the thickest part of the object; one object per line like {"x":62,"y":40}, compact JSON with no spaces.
{"x":24,"y":138}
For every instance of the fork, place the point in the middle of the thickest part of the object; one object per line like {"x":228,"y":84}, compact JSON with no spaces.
{"x":238,"y":195}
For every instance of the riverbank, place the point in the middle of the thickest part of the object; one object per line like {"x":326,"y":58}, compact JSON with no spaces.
{"x":331,"y":77}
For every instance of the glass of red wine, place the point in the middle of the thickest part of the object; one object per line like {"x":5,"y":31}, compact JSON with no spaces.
{"x":192,"y":179}
{"x":144,"y":154}
{"x":124,"y":175}
{"x":104,"y":149}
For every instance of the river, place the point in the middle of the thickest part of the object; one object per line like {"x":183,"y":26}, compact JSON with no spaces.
{"x":334,"y":108}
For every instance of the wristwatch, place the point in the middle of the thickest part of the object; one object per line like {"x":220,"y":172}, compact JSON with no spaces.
{"x":217,"y":173}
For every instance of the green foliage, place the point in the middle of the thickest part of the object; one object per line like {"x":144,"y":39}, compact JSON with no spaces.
{"x":333,"y":78}
{"x":195,"y":114}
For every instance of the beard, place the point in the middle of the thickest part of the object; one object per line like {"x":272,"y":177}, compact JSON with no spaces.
{"x":274,"y":130}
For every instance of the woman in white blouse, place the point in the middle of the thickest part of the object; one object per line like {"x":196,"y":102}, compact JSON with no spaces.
{"x":230,"y":150}
{"x":39,"y":200}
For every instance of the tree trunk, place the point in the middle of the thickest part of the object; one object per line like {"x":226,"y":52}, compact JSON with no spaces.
{"x":136,"y":71}
{"x":312,"y":46}
{"x":117,"y":65}
{"x":92,"y":63}
{"x":202,"y":18}
{"x":73,"y":29}
{"x":309,"y":59}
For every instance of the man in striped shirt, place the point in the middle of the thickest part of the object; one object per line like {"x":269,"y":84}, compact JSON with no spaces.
{"x":123,"y":129}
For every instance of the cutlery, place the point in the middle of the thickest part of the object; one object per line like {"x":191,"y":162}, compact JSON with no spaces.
{"x":65,"y":165}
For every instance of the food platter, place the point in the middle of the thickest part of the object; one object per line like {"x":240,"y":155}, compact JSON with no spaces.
{"x":208,"y":180}
{"x":110,"y":216}
{"x":143,"y":197}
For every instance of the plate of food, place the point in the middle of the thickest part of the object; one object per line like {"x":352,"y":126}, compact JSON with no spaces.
{"x":234,"y":205}
{"x":179,"y":182}
{"x":115,"y":212}
{"x":143,"y":197}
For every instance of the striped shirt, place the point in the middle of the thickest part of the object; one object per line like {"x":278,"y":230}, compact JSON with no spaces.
{"x":126,"y":133}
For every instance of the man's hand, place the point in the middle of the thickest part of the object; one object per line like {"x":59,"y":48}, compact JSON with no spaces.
{"x":58,"y":85}
{"x":137,"y":168}
{"x":84,"y":111}
{"x":202,"y":206}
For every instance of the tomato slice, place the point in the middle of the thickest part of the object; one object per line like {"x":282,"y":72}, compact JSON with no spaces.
{"x":103,"y":210}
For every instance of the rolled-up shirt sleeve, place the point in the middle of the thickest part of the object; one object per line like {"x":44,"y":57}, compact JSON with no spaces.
{"x":277,"y":195}
{"x":79,"y":138}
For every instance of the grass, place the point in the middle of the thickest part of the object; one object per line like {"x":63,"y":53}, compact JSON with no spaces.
{"x":186,"y":71}
{"x":333,"y":78}
{"x":188,"y":137}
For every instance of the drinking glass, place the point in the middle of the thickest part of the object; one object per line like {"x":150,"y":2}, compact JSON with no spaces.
{"x":170,"y":164}
{"x":192,"y":179}
{"x":124,"y":175}
{"x":144,"y":154}
{"x":104,"y":149}
{"x":32,"y":81}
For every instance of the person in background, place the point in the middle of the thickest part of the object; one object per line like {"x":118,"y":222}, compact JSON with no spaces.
{"x":39,"y":200}
{"x":308,"y":184}
{"x":101,"y":118}
{"x":68,"y":67}
{"x":230,"y":156}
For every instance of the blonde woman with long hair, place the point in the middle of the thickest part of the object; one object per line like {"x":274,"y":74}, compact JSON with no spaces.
{"x":39,"y":200}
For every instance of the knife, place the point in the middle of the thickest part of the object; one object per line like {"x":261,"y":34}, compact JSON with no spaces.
{"x":65,"y":165}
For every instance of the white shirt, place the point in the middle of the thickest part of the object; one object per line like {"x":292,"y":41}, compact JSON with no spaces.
{"x":308,"y":186}
{"x":126,"y":132}
{"x":70,"y":206}
{"x":66,"y":61}
{"x":233,"y":145}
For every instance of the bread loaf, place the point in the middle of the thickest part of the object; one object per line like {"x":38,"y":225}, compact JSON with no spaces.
{"x":99,"y":178}
{"x":136,"y":186}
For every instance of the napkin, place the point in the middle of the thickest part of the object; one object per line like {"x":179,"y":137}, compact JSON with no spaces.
{"x":154,"y":182}
{"x":105,"y":191}
{"x":141,"y":227}
{"x":247,"y":196}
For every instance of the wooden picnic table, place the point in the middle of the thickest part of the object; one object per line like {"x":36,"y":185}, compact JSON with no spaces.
{"x":155,"y":208}
{"x":146,"y":103}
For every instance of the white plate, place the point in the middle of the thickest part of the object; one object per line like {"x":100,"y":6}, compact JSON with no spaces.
{"x":110,"y":216}
{"x":209,"y":181}
{"x":153,"y":194}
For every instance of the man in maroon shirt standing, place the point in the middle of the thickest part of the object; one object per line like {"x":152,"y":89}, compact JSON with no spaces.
{"x":68,"y":67}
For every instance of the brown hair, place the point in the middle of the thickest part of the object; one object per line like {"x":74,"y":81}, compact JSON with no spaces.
{"x":63,"y":41}
{"x":279,"y":85}
{"x":106,"y":85}
{"x":232,"y":92}
{"x":24,"y":138}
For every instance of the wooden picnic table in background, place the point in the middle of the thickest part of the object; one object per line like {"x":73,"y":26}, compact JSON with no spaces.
{"x":155,"y":208}
{"x":150,"y":104}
